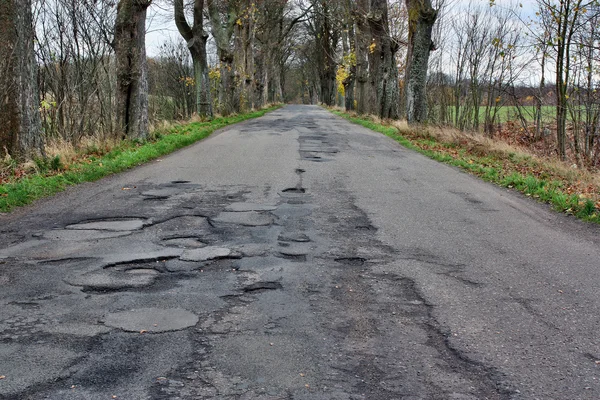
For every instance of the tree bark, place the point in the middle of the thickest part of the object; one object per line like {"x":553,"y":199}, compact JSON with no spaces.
{"x":132,"y":68}
{"x":362,"y":34}
{"x":196,"y":38}
{"x":349,"y":45}
{"x":20,"y":127}
{"x":222,"y":32}
{"x":421,"y":18}
{"x":383,"y":68}
{"x":326,"y":43}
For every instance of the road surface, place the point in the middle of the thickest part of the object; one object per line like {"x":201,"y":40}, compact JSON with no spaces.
{"x":300,"y":257}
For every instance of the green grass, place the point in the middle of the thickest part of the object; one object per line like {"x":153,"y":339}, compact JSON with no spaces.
{"x":126,"y":155}
{"x":510,"y":113}
{"x":493,"y":169}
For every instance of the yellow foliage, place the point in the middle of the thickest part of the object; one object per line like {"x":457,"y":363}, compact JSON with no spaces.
{"x":372,"y":47}
{"x":342,"y":74}
{"x":214,"y":73}
{"x":188,"y":81}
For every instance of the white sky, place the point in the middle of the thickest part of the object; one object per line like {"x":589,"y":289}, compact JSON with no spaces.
{"x":161,"y":27}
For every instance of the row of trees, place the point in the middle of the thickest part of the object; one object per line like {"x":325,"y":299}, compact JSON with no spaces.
{"x":352,"y":45}
{"x":72,"y":69}
{"x":422,"y":60}
{"x":482,"y":55}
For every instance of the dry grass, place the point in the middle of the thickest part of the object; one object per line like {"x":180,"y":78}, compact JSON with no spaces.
{"x":482,"y":146}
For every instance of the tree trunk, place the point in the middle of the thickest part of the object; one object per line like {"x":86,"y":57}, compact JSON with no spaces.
{"x":326,"y":44}
{"x":196,"y":38}
{"x":349,"y":44}
{"x":20,"y":130}
{"x":132,"y":68}
{"x":222,"y":32}
{"x":422,"y":17}
{"x":362,"y":33}
{"x":383,"y":63}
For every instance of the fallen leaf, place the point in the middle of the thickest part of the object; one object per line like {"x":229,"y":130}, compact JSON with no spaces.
{"x":302,"y":375}
{"x":307,"y":385}
{"x":143,"y":331}
{"x":270,"y":344}
{"x":2,"y":377}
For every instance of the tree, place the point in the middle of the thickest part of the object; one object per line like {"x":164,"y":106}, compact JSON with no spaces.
{"x":562,"y":19}
{"x":421,"y":18}
{"x":223,"y":17}
{"x":362,"y":42}
{"x":196,"y":38}
{"x":20,"y":130}
{"x":327,"y":37}
{"x":382,"y":62}
{"x":132,"y":68}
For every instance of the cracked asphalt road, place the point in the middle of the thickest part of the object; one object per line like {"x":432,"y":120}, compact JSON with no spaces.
{"x":297,"y":257}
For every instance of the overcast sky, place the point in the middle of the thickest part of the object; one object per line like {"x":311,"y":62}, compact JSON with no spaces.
{"x":161,"y":27}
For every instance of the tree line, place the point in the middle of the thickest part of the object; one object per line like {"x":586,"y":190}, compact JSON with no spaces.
{"x":74,"y":69}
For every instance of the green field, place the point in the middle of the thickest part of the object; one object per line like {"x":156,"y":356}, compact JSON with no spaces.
{"x":510,"y":113}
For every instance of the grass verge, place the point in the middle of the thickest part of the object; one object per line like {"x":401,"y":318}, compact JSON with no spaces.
{"x":568,"y":190}
{"x":52,"y":177}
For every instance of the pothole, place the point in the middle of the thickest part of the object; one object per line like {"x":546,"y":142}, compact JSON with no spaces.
{"x":109,"y":281}
{"x":208,"y":253}
{"x":249,"y":218}
{"x":136,"y":267}
{"x":352,"y":261}
{"x":370,"y":228}
{"x":295,"y":190}
{"x":152,"y":320}
{"x":245,"y":207}
{"x":300,"y":170}
{"x":187,"y":242}
{"x":262,"y":286}
{"x":292,"y":256}
{"x":160,"y":194}
{"x":117,"y":225}
{"x":294,"y":237}
{"x":81,"y":235}
{"x":187,"y":223}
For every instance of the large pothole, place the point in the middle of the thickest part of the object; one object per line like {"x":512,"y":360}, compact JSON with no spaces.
{"x":208,"y":253}
{"x":114,"y":280}
{"x":245,"y":207}
{"x":118,"y":225}
{"x":152,"y":320}
{"x":249,"y":218}
{"x":81,"y":235}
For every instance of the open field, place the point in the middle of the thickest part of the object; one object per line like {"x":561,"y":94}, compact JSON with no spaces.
{"x":511,"y":113}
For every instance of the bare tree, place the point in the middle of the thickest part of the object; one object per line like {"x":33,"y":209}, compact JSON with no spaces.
{"x":196,"y":38}
{"x":562,"y":19}
{"x":77,"y":74}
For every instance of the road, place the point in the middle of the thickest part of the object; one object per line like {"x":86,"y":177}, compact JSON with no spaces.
{"x":300,"y":257}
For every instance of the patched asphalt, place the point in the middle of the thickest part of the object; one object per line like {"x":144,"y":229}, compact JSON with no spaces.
{"x":297,"y":256}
